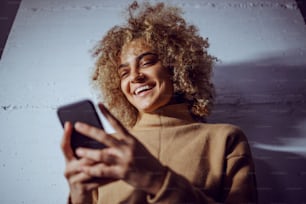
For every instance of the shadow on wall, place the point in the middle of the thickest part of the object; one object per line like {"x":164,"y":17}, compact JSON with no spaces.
{"x":273,"y":79}
{"x":267,"y":100}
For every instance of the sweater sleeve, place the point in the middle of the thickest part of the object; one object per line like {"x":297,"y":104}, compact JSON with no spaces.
{"x":238,"y":184}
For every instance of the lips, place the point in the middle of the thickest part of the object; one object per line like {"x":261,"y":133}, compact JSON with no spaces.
{"x":141,"y":89}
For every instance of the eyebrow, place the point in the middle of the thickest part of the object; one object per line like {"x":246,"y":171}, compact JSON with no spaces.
{"x":138,"y":58}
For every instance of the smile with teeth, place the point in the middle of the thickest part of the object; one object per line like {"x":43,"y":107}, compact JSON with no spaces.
{"x":142,"y":88}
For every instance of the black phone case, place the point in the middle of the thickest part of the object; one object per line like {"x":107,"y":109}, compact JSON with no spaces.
{"x":82,"y":111}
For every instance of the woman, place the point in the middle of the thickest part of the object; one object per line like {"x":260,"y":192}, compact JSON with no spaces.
{"x":154,"y":75}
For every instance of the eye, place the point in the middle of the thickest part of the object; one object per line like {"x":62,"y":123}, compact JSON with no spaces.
{"x":123,"y":73}
{"x":148,"y":61}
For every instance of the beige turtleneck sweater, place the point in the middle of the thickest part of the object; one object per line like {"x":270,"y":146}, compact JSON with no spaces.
{"x":207,"y":163}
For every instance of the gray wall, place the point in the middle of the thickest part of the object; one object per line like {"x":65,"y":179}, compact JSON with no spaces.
{"x":260,"y":82}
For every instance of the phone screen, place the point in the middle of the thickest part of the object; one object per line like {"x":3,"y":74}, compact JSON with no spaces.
{"x":82,"y":111}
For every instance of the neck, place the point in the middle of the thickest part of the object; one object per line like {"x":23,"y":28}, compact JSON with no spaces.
{"x":175,"y":99}
{"x":167,"y":115}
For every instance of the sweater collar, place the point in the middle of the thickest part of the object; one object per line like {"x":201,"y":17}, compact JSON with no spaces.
{"x":167,"y":116}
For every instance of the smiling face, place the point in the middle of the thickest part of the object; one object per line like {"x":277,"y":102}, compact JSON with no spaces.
{"x":145,"y":82}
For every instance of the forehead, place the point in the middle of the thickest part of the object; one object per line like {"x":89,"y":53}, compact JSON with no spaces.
{"x":134,"y":49}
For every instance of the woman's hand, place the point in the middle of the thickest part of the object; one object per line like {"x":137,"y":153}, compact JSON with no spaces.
{"x":124,"y":158}
{"x":80,"y":183}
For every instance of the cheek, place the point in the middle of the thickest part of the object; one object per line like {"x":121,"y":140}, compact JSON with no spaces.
{"x":165,"y":77}
{"x":169,"y":89}
{"x":124,"y":87}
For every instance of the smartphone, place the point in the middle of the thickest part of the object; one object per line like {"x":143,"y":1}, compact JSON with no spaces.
{"x":82,"y":111}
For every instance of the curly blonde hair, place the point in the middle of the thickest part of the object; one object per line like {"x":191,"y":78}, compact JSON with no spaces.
{"x":179,"y":47}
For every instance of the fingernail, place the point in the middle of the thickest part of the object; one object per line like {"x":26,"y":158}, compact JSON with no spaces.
{"x":79,"y":125}
{"x":66,"y":124}
{"x":79,"y":152}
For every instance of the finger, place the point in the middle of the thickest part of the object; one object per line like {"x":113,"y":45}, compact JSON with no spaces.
{"x":116,"y":124}
{"x":103,"y":171}
{"x":75,"y":166}
{"x":65,"y":144}
{"x":100,"y":181}
{"x":96,"y":134}
{"x":95,"y":170}
{"x":107,"y":155}
{"x":94,"y":183}
{"x":90,"y":182}
{"x":81,"y":177}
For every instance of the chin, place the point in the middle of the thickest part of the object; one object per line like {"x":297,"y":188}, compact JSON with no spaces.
{"x":150,"y":108}
{"x":146,"y":109}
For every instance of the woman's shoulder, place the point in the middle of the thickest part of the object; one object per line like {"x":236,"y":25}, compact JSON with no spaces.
{"x":221,"y":130}
{"x":232,"y":135}
{"x":220,"y":127}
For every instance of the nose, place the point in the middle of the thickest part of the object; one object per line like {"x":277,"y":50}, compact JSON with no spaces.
{"x":137,"y":76}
